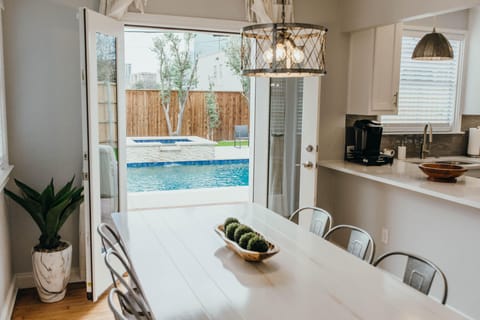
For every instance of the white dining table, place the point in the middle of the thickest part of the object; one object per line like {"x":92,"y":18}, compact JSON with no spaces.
{"x":187,"y":272}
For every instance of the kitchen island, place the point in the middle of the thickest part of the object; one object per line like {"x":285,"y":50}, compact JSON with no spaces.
{"x":403,"y":210}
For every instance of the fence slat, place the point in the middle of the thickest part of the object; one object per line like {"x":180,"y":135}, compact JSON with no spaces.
{"x":145,"y":115}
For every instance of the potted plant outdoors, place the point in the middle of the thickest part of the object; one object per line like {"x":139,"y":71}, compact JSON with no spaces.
{"x":51,"y":257}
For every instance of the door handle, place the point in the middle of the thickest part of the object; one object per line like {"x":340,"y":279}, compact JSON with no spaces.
{"x":307,"y":164}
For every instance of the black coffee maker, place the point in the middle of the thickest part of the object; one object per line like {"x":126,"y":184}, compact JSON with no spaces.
{"x":367,"y":139}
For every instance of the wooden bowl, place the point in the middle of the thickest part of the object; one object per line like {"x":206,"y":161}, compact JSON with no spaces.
{"x":247,"y":255}
{"x":442,"y":172}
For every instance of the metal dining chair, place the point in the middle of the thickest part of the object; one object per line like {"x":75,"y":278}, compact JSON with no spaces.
{"x":111,"y":239}
{"x":358,"y":243}
{"x":419,"y":272}
{"x":321,"y":220}
{"x":114,"y":262}
{"x":124,"y":301}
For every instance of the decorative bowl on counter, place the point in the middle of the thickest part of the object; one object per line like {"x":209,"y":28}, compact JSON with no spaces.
{"x":442,"y":172}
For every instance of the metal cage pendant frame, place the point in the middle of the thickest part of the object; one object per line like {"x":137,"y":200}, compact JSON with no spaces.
{"x":283,"y":50}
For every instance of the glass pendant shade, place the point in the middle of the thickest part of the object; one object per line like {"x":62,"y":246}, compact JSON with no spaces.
{"x":283,"y":50}
{"x":433,"y":46}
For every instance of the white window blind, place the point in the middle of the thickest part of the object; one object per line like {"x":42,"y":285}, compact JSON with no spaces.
{"x":428,"y":89}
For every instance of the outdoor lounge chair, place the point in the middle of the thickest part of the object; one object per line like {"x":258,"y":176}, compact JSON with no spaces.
{"x":240,"y":134}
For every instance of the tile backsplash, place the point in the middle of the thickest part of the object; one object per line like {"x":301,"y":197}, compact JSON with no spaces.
{"x":443,"y":144}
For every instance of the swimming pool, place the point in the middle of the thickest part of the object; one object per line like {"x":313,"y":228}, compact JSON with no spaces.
{"x":161,"y":176}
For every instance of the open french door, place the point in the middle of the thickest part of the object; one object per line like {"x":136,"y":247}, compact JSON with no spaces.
{"x":104,"y":137}
{"x":286,"y":150}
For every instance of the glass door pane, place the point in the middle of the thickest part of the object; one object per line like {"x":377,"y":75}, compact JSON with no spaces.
{"x":286,"y":115}
{"x":107,"y":124}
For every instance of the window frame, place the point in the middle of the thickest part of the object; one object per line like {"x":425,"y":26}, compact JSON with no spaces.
{"x":454,"y":34}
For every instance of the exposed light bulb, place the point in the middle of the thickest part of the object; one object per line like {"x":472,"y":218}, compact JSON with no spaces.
{"x":268,"y":56}
{"x":280,"y":54}
{"x":298,"y":55}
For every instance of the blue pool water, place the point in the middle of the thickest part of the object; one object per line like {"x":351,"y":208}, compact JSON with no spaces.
{"x":160,"y":176}
{"x":167,"y":141}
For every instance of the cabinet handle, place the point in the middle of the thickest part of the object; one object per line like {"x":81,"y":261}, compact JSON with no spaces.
{"x":395,"y":99}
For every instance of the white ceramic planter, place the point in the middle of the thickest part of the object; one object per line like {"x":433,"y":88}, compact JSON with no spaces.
{"x":51,"y":272}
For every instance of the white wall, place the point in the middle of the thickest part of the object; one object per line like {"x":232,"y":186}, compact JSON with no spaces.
{"x":359,"y":14}
{"x":455,"y":20}
{"x":472,"y":73}
{"x":42,"y":59}
{"x":439,"y":230}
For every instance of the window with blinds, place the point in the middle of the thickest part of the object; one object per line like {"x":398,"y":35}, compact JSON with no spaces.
{"x":429,"y":90}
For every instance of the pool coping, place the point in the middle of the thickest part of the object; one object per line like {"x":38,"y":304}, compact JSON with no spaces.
{"x":185,"y":163}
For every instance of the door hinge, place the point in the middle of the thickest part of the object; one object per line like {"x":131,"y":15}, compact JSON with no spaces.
{"x":85,"y":156}
{"x":85,"y":176}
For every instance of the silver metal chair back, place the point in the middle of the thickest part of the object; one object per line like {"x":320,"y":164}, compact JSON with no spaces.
{"x":419,"y":272}
{"x":321,"y":220}
{"x":123,"y":301}
{"x":111,"y":239}
{"x":358,"y":243}
{"x":136,"y":294}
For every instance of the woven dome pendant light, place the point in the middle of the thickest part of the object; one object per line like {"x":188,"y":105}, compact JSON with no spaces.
{"x":283,"y":49}
{"x":433,"y":46}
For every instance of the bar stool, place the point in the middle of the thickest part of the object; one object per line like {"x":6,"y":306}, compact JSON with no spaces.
{"x":358,"y":242}
{"x":321,"y":221}
{"x":419,"y":272}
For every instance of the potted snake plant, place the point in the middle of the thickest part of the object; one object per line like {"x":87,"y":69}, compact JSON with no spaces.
{"x":51,"y":257}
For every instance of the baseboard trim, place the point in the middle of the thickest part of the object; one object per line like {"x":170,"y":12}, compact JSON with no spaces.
{"x":25,"y":280}
{"x":7,"y":309}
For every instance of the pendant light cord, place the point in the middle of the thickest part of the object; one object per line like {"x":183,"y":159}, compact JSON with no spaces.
{"x":283,"y":11}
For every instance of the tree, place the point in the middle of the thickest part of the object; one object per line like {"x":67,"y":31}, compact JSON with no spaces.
{"x":232,"y":52}
{"x":213,"y":118}
{"x":178,"y":68}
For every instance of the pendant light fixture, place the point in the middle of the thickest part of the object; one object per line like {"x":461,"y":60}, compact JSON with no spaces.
{"x":433,"y":46}
{"x":283,"y":49}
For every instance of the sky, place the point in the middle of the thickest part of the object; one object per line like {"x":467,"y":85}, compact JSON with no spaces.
{"x":138,"y":44}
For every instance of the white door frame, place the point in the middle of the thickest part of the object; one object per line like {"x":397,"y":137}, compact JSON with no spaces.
{"x":97,"y":276}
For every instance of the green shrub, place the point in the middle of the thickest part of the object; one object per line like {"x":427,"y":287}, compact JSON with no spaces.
{"x":257,"y":243}
{"x":242,"y":229}
{"x":230,"y":231}
{"x":243,"y":242}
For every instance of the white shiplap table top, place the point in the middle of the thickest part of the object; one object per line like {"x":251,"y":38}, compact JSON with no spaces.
{"x":187,"y":272}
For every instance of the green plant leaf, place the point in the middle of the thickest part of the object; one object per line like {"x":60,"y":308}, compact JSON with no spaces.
{"x":53,"y":218}
{"x":31,"y":193}
{"x":64,"y":192}
{"x":74,"y":204}
{"x":32,"y":207}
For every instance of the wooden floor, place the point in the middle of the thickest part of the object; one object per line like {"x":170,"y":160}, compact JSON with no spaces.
{"x":74,"y":306}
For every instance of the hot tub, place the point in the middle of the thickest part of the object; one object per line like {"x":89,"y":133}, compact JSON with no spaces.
{"x":168,"y":149}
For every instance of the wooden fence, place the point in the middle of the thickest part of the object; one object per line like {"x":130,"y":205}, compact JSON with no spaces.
{"x":145,"y":116}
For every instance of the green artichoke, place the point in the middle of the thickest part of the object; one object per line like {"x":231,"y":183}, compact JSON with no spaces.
{"x":243,"y":242}
{"x":230,"y":231}
{"x":241,"y":230}
{"x":257,"y":243}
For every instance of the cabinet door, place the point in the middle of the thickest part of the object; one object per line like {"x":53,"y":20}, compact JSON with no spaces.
{"x":386,"y":69}
{"x":360,"y":73}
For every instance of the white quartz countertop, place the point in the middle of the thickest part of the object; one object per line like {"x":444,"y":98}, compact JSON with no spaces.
{"x":407,"y":175}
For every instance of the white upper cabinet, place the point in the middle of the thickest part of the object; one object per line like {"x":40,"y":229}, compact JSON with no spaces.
{"x":374,"y":70}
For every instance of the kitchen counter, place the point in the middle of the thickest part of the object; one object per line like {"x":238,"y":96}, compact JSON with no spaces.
{"x":407,"y":175}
